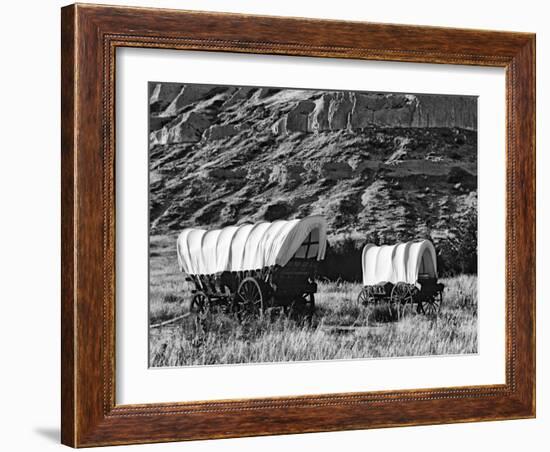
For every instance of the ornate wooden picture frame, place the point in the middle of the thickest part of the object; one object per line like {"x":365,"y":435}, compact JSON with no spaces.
{"x":90,"y":37}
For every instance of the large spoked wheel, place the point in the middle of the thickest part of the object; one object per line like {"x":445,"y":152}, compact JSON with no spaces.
{"x":199,"y":303}
{"x":432,"y":305}
{"x":250,"y":297}
{"x":402,"y":296}
{"x":366,"y":296}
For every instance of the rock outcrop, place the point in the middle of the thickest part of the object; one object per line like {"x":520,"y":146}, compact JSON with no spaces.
{"x":303,"y":111}
{"x":188,"y":128}
{"x":297,"y":120}
{"x":339,"y":111}
{"x":162,"y":94}
{"x":286,"y":176}
{"x":446,"y":111}
{"x":222,"y":131}
{"x":187,"y":95}
{"x":335,"y":170}
{"x":224,"y":173}
{"x":357,"y":111}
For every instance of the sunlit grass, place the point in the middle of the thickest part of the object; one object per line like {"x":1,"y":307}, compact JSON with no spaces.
{"x":341,"y":328}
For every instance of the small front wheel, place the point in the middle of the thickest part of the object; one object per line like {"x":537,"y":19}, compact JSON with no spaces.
{"x":366,"y":296}
{"x":199,"y":303}
{"x":432,"y":305}
{"x":402,"y":295}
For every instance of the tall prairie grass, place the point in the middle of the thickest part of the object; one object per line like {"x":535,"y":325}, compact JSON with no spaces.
{"x":341,"y":328}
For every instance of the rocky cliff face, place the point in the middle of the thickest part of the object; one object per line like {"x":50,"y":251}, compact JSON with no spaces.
{"x":182,"y":113}
{"x":397,"y":165}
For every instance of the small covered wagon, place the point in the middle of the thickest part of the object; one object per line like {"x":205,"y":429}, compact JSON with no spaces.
{"x":249,"y":268}
{"x":402,"y":275}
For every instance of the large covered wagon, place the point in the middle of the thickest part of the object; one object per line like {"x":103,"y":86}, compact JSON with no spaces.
{"x":249,"y":268}
{"x":402,"y":275}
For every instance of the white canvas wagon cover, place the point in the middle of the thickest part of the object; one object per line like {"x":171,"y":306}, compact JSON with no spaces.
{"x":402,"y":262}
{"x":251,"y":246}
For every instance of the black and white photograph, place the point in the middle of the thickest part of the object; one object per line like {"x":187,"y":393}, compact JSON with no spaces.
{"x":291,"y":225}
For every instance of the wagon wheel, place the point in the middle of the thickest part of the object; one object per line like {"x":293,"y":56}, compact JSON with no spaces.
{"x":366,"y":296}
{"x":250,"y":297}
{"x":431,"y":305}
{"x":308,"y":299}
{"x":200,"y":303}
{"x":402,"y":295}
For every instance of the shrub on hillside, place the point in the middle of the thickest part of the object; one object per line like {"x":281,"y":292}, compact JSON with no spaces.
{"x":458,"y":252}
{"x":342,"y":260}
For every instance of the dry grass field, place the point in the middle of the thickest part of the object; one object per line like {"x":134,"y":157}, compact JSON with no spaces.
{"x":339,"y":329}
